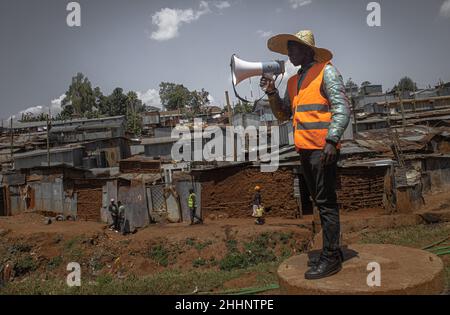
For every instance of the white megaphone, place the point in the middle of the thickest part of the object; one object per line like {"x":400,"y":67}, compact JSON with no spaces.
{"x":241,"y":70}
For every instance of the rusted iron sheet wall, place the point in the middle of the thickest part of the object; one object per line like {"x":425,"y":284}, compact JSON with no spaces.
{"x":3,"y":209}
{"x":135,"y":201}
{"x":438,"y":170}
{"x":49,"y":196}
{"x":16,"y":203}
{"x":14,"y":179}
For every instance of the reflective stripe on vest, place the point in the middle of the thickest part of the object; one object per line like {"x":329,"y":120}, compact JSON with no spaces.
{"x":311,"y":109}
{"x":191,"y":200}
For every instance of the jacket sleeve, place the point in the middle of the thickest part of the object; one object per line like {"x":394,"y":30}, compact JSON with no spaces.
{"x":281,"y":107}
{"x":334,"y":89}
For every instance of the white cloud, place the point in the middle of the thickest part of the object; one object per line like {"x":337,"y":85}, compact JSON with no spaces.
{"x":445,"y":9}
{"x":150,"y":98}
{"x":295,"y":4}
{"x":264,"y":34}
{"x":222,"y":5}
{"x":169,"y":21}
{"x":55,"y":108}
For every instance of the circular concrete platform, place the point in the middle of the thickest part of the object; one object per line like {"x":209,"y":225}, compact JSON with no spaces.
{"x":404,"y":270}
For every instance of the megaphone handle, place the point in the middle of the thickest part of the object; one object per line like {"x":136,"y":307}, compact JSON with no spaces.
{"x":269,"y":76}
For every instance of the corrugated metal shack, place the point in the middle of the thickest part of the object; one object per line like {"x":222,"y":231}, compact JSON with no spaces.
{"x":72,"y":156}
{"x":42,"y":189}
{"x":103,"y":153}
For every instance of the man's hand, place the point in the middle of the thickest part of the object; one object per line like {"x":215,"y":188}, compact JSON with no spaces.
{"x":267,"y":85}
{"x":329,"y":153}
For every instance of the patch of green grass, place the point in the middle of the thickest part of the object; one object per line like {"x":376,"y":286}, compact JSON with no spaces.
{"x":231,"y":245}
{"x":285,"y":237}
{"x":54,"y":262}
{"x":68,"y":245}
{"x":167,"y":282}
{"x":160,"y":254}
{"x":413,"y":236}
{"x":199,"y":262}
{"x":199,"y":245}
{"x":95,"y":263}
{"x":257,"y":251}
{"x":19,"y":248}
{"x":24,"y":265}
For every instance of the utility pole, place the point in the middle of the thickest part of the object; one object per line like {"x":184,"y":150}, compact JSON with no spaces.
{"x":227,"y":97}
{"x":12,"y":142}
{"x":48,"y":139}
{"x":402,"y":108}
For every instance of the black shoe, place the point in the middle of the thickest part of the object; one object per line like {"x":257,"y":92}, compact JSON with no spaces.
{"x":314,"y":260}
{"x":325,"y":268}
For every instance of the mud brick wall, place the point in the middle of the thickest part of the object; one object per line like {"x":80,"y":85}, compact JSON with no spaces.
{"x":360,"y":188}
{"x":89,"y":203}
{"x":230,"y":191}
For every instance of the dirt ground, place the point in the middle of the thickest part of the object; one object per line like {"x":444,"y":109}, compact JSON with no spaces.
{"x":34,"y":249}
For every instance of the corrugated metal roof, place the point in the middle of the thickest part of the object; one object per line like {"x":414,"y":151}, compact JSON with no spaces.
{"x":41,"y":152}
{"x":145,"y":178}
{"x":24,"y":125}
{"x":150,"y":141}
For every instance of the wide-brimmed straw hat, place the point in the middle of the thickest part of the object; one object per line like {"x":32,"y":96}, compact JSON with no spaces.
{"x":279,"y":44}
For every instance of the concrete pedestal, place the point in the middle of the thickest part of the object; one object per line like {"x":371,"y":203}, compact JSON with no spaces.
{"x":404,"y":270}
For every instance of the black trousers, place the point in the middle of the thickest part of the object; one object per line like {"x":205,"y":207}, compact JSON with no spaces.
{"x":116,"y":222}
{"x":194,"y":215}
{"x":321,"y":182}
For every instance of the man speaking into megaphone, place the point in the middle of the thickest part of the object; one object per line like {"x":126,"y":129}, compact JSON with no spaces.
{"x":315,"y":99}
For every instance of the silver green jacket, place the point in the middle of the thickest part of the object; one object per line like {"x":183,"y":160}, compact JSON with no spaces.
{"x":334,"y":90}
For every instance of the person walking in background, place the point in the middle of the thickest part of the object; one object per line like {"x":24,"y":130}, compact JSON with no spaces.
{"x":256,"y":199}
{"x":114,"y":211}
{"x":258,"y":210}
{"x":122,"y":219}
{"x":192,"y":204}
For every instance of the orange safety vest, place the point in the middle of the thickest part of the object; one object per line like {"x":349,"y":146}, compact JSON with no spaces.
{"x":312,"y":115}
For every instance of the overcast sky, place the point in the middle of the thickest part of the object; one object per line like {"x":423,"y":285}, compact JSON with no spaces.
{"x":136,"y":44}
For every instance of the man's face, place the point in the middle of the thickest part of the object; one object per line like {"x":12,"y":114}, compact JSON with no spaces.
{"x":298,"y":53}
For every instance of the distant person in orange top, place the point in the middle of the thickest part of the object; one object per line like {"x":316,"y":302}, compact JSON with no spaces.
{"x":258,"y":211}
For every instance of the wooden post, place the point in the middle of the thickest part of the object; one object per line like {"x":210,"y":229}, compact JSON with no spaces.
{"x":227,"y":97}
{"x":12,"y":142}
{"x":402,"y":108}
{"x":48,"y":138}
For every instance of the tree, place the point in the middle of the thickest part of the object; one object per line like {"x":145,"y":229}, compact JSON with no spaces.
{"x":243,"y":108}
{"x":350,"y":83}
{"x":116,"y":103}
{"x":79,"y":97}
{"x":406,"y":84}
{"x":101,"y":101}
{"x":365,"y":83}
{"x":134,"y":109}
{"x":177,"y":97}
{"x":174,"y":96}
{"x":198,"y":100}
